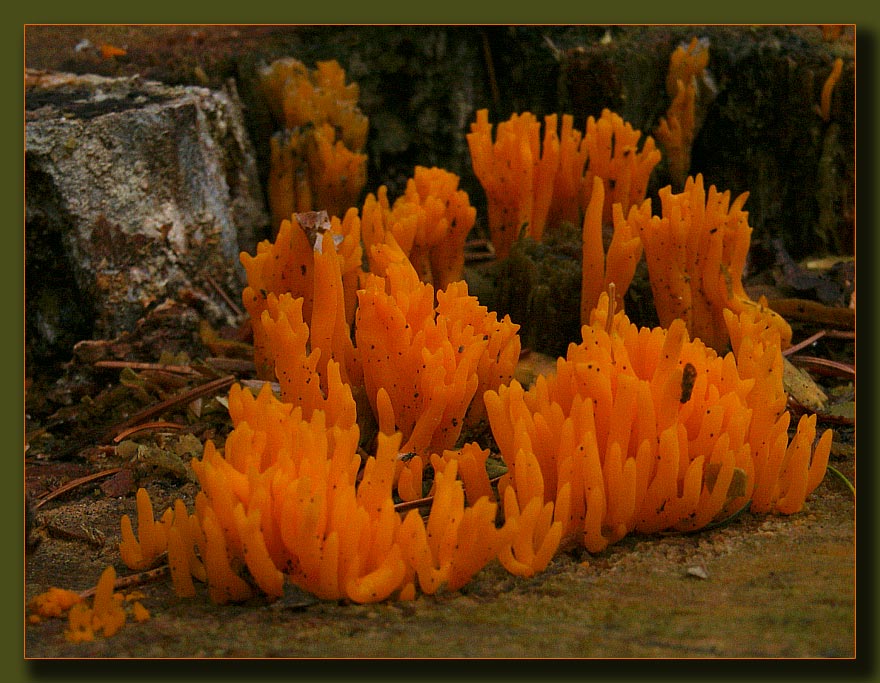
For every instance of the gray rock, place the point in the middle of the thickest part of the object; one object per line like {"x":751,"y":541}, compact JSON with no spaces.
{"x":136,"y":192}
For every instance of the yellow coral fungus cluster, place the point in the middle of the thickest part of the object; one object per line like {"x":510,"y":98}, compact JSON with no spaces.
{"x":675,"y":133}
{"x":287,"y":499}
{"x":637,"y":430}
{"x":616,"y":436}
{"x":613,"y":155}
{"x":316,"y":159}
{"x":285,"y":502}
{"x":696,"y":253}
{"x":296,"y":298}
{"x":530,"y":185}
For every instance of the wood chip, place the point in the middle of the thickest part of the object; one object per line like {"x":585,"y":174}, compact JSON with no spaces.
{"x":698,"y":571}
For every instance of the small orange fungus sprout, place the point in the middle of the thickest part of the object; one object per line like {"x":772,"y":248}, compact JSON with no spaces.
{"x":105,"y":617}
{"x":677,"y":130}
{"x":828,"y":89}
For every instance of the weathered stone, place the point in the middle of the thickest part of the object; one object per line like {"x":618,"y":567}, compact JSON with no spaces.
{"x":135,"y":192}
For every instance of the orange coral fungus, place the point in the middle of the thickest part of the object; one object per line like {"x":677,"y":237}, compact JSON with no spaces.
{"x":316,"y":160}
{"x":517,"y":173}
{"x":298,"y":97}
{"x":828,"y":89}
{"x":614,"y":156}
{"x":456,"y":542}
{"x":276,"y":499}
{"x":497,"y":364}
{"x":152,"y":539}
{"x":336,"y":174}
{"x":106,"y":615}
{"x":287,"y":500}
{"x":445,"y":218}
{"x":566,"y":204}
{"x":784,"y":476}
{"x":696,"y":254}
{"x":419,"y":364}
{"x":530,"y":184}
{"x":53,"y":603}
{"x":429,"y":223}
{"x":471,"y":464}
{"x":598,"y":269}
{"x":426,"y":366}
{"x":301,"y":262}
{"x":616,"y":442}
{"x":308,"y":378}
{"x":676,"y":131}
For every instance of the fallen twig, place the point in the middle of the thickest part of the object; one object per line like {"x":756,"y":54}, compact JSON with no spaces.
{"x":145,"y":426}
{"x":133,"y":580}
{"x":825,"y":366}
{"x":223,"y":295}
{"x":206,"y":389}
{"x":412,"y":504}
{"x":69,"y":486}
{"x":813,"y":311}
{"x":135,"y":365}
{"x":805,"y":343}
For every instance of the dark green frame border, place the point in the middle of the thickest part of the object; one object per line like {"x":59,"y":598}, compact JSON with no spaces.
{"x":351,"y":12}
